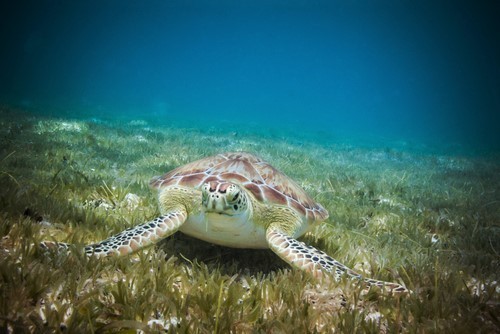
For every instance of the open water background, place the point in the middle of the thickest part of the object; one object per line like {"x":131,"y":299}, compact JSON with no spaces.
{"x":425,"y":72}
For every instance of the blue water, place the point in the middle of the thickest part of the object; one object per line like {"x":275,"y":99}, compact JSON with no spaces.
{"x":425,"y":71}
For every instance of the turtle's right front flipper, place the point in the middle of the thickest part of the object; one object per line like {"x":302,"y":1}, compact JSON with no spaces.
{"x":134,"y":238}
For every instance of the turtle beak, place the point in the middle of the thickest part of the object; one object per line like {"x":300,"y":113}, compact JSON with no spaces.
{"x":218,"y":206}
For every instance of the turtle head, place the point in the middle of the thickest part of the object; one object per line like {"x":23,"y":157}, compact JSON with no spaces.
{"x":224,"y":198}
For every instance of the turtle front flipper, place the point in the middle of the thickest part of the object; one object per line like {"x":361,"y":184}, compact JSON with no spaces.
{"x":132,"y":239}
{"x":310,"y":259}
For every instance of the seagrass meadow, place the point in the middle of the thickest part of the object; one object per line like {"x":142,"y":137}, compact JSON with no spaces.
{"x":421,"y":217}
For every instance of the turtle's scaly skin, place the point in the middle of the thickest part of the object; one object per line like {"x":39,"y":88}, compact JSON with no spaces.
{"x":235,"y":200}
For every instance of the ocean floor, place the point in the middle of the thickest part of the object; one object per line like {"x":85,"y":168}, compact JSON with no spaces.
{"x":425,"y":218}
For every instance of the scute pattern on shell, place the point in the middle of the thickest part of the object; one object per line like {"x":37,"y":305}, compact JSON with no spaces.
{"x":266,"y":183}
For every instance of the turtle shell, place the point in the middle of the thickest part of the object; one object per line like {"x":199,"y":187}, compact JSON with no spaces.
{"x":263,"y":181}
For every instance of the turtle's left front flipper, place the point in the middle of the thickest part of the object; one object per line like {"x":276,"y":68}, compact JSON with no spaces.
{"x":310,"y":259}
{"x":134,"y":238}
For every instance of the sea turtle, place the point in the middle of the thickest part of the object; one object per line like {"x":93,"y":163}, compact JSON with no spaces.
{"x":235,"y":200}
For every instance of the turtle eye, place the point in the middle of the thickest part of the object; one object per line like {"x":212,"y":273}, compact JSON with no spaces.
{"x":236,"y":196}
